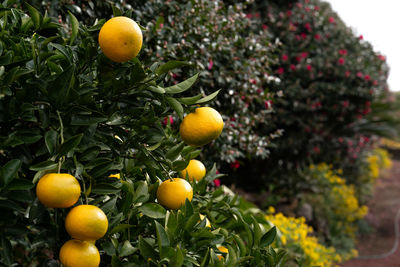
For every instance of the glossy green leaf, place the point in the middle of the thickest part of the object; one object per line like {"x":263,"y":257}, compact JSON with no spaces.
{"x":174,"y":151}
{"x":208,"y":98}
{"x":50,"y":139}
{"x":127,"y":249}
{"x":74,"y":27}
{"x":20,"y":184}
{"x":146,"y":249}
{"x":162,"y":236}
{"x":176,"y":106}
{"x":268,"y":237}
{"x":9,"y":170}
{"x":153,"y":210}
{"x":182,"y":86}
{"x":43,"y":166}
{"x":69,"y":144}
{"x":59,"y":91}
{"x":170,"y":65}
{"x":36,"y":17}
{"x":105,"y":189}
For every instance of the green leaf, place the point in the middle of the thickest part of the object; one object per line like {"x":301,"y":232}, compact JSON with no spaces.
{"x":105,"y":189}
{"x":189,"y":100}
{"x":177,"y":259}
{"x":35,"y":15}
{"x":86,"y":120}
{"x":74,"y":27}
{"x":116,"y":11}
{"x":156,"y":89}
{"x":43,"y":166}
{"x":176,"y":105}
{"x":208,"y":98}
{"x":70,"y":144}
{"x":146,"y":249}
{"x":141,"y":192}
{"x":109,"y":205}
{"x":257,"y":232}
{"x":8,"y":171}
{"x":192,"y":221}
{"x":127,"y":249}
{"x":242,"y":247}
{"x":162,"y":236}
{"x":170,"y":65}
{"x":20,"y":184}
{"x":182,"y":86}
{"x":153,"y":210}
{"x":59,"y":90}
{"x":50,"y":138}
{"x":174,"y":151}
{"x":268,"y":237}
{"x":120,"y":227}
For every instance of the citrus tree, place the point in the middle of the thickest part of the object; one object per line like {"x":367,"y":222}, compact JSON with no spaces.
{"x":83,"y":136}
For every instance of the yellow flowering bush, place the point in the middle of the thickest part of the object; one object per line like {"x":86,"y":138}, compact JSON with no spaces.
{"x":390,"y":143}
{"x":297,"y":237}
{"x":336,"y":207}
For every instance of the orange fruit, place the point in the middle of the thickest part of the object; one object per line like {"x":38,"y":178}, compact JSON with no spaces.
{"x":120,"y":39}
{"x":222,"y":249}
{"x":86,"y":222}
{"x":115,"y":175}
{"x":172,"y":193}
{"x":201,"y":126}
{"x":58,"y":190}
{"x":195,"y":170}
{"x":77,"y":253}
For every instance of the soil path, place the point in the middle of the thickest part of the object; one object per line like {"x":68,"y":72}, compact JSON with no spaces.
{"x":382,"y":211}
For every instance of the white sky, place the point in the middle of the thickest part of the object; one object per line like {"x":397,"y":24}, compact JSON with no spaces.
{"x":378,"y":22}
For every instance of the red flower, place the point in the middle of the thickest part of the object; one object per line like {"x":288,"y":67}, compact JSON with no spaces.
{"x":360,"y":37}
{"x":249,"y":16}
{"x":340,"y":139}
{"x":331,"y":20}
{"x":367,"y":77}
{"x":383,"y":58}
{"x":359,"y":74}
{"x":343,"y":52}
{"x":280,"y":70}
{"x":316,"y":150}
{"x":304,"y":54}
{"x":264,"y":27}
{"x":217,"y":182}
{"x":165,"y":120}
{"x":316,"y":8}
{"x":289,"y":13}
{"x":317,"y":36}
{"x":292,"y":67}
{"x":210,"y":64}
{"x":347,"y":73}
{"x":375,"y":82}
{"x":346,"y":103}
{"x":308,"y":67}
{"x":341,"y":61}
{"x":235,"y":164}
{"x":268,"y":104}
{"x":303,"y":35}
{"x":307,"y":26}
{"x":252,"y":81}
{"x":285,"y":57}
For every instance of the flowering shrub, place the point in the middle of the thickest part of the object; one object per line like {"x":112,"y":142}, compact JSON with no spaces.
{"x":298,"y":238}
{"x":329,"y":78}
{"x":335,"y":207}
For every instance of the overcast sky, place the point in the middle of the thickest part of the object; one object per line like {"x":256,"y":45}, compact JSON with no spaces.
{"x":378,"y":21}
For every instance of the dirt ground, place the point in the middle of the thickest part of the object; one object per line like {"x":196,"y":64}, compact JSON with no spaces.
{"x":382,"y":212}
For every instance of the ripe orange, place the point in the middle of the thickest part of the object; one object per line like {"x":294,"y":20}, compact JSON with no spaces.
{"x":58,"y":190}
{"x":201,"y":126}
{"x":195,"y":170}
{"x":172,"y":193}
{"x":120,"y":39}
{"x":86,"y":222}
{"x":77,"y":253}
{"x":222,"y":249}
